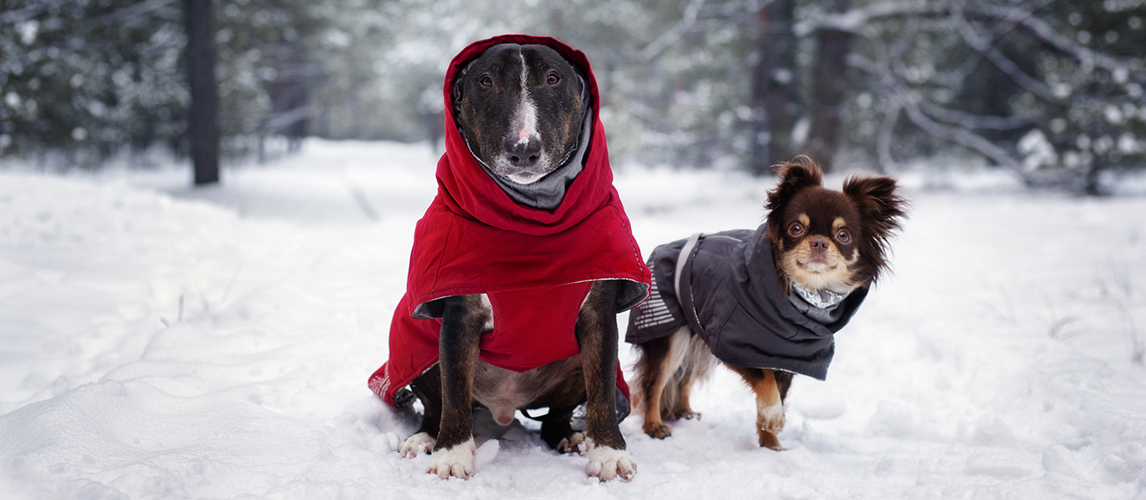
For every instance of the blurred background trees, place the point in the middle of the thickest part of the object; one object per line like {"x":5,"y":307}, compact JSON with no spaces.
{"x":1050,"y":90}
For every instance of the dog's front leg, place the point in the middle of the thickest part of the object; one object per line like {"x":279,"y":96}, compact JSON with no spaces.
{"x":597,"y":336}
{"x":770,"y":388}
{"x":458,"y":350}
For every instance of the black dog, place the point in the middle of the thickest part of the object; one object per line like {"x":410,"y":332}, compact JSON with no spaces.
{"x":525,"y":114}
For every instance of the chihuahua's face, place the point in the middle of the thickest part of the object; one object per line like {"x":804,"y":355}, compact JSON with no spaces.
{"x":831,"y":240}
{"x":817,"y":248}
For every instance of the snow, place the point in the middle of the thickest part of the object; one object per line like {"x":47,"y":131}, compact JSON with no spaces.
{"x":162,"y":342}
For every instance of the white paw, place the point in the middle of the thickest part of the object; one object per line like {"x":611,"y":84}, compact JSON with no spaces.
{"x":417,"y":444}
{"x":457,"y":461}
{"x":771,"y":417}
{"x":606,"y":463}
{"x":574,"y":444}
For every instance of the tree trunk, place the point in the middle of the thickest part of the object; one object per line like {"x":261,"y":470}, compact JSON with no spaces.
{"x":203,"y":127}
{"x":829,"y":87}
{"x":774,"y":104}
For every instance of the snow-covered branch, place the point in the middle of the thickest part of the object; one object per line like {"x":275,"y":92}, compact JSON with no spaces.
{"x":140,"y":8}
{"x":1000,"y":61}
{"x":976,"y":122}
{"x":902,"y":99}
{"x":25,"y":14}
{"x":856,"y":20}
{"x":958,"y":135}
{"x":652,"y":50}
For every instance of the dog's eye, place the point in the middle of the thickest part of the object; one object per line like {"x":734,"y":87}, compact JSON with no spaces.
{"x":486,"y":81}
{"x":844,"y":236}
{"x":552,"y":79}
{"x":796,"y":230}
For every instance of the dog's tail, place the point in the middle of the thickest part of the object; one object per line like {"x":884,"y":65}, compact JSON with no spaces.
{"x":665,"y":368}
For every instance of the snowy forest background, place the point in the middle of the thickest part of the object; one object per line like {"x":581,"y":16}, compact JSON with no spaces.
{"x":160,"y":340}
{"x":1049,"y":90}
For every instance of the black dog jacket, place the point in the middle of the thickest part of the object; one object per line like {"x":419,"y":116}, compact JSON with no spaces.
{"x":724,"y":286}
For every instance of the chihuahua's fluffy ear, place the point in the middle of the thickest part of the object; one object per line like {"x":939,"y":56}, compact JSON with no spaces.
{"x":794,"y":176}
{"x":882,"y":209}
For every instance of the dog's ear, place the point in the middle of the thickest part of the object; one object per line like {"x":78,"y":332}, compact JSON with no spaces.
{"x":795,"y":175}
{"x":882,"y":209}
{"x":879,"y":203}
{"x":456,"y":86}
{"x":456,"y":93}
{"x":798,"y":174}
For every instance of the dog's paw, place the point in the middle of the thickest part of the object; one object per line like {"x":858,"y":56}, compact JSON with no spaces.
{"x":771,"y":417}
{"x":457,"y":461}
{"x":606,"y":464}
{"x":417,"y":444}
{"x":657,"y":430}
{"x":573,"y":444}
{"x":769,"y":423}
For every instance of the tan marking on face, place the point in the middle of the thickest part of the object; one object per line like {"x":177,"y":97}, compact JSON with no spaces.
{"x":838,"y":224}
{"x":834,"y":275}
{"x":803,"y":219}
{"x":854,"y":258}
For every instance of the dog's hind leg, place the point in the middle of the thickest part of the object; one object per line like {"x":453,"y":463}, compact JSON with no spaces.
{"x":696,"y":363}
{"x":597,"y":336}
{"x":556,"y":427}
{"x":769,"y":402}
{"x":558,"y":433}
{"x":458,"y":347}
{"x":657,"y":385}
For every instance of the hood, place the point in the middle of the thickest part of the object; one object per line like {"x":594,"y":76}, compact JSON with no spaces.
{"x":534,"y":265}
{"x":469,"y":191}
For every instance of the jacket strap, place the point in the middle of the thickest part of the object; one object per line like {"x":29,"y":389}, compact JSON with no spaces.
{"x":680,"y":259}
{"x":683,"y":283}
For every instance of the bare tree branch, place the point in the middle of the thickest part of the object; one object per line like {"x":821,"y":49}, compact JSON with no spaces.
{"x":19,"y":16}
{"x":999,"y":60}
{"x":1005,"y":28}
{"x":857,"y":19}
{"x":976,"y":121}
{"x":652,"y":50}
{"x":883,"y":146}
{"x":904,"y":100}
{"x":968,"y":139}
{"x":134,"y":10}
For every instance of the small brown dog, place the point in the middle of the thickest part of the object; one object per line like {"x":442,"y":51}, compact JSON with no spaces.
{"x":767,"y":302}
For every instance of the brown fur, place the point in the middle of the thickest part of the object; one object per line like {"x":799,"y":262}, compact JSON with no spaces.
{"x":815,"y":255}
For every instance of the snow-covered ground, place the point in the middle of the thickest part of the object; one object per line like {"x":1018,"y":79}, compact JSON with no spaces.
{"x":163,"y":342}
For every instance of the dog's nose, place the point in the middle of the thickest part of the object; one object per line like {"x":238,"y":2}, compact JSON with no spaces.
{"x":819,"y":244}
{"x":523,"y":152}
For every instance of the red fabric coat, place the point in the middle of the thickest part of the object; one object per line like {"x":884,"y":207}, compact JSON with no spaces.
{"x":536,"y":266}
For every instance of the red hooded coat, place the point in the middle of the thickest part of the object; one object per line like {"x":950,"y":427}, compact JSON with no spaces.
{"x":535,"y":266}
